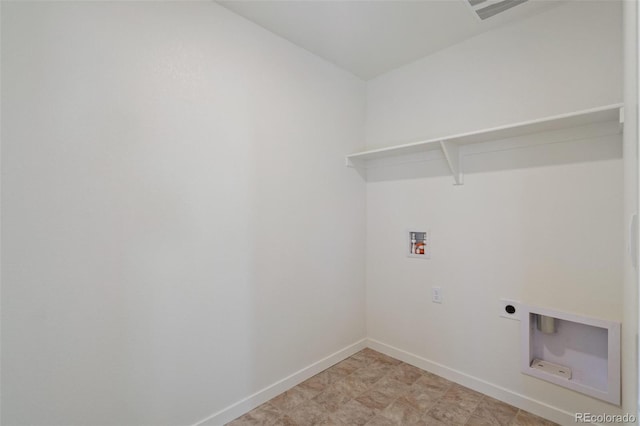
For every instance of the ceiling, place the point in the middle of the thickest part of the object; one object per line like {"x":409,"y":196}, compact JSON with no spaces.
{"x":369,"y":38}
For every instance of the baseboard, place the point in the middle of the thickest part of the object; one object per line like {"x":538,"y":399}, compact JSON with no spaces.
{"x":517,"y":400}
{"x":249,"y":403}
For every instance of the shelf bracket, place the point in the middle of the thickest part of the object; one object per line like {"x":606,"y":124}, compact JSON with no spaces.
{"x":356,"y":164}
{"x":353,"y":162}
{"x":349,"y":162}
{"x":452,"y":154}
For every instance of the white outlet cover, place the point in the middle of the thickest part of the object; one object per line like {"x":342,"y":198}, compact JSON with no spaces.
{"x":436,"y":294}
{"x":503,"y":309}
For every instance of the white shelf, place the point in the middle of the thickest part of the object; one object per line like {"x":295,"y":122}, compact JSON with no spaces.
{"x":449,"y":145}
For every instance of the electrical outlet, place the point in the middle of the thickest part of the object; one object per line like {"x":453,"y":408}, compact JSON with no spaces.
{"x":510,"y":309}
{"x":436,"y":294}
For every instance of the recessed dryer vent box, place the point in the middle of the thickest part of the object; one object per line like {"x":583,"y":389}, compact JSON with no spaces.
{"x":573,"y":351}
{"x":418,"y":244}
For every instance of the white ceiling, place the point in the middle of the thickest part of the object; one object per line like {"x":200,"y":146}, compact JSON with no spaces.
{"x":369,"y":38}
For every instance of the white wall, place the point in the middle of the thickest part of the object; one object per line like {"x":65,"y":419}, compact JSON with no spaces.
{"x":179,"y":229}
{"x":162,"y":162}
{"x":543,"y":225}
{"x":631,"y":186}
{"x":566,"y":59}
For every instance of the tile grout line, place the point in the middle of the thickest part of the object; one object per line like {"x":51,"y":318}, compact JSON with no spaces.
{"x":474,"y":410}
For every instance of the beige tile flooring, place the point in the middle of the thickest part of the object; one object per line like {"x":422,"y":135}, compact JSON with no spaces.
{"x":373,"y":389}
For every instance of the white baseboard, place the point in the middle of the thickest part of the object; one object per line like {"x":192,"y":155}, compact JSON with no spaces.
{"x":249,"y":403}
{"x":517,"y":400}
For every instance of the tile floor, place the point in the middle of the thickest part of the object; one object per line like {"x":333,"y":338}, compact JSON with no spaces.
{"x":373,"y":389}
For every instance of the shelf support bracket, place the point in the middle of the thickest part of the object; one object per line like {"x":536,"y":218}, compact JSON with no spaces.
{"x":353,"y":163}
{"x":356,"y":164}
{"x":452,"y":154}
{"x":621,"y":117}
{"x":349,"y":162}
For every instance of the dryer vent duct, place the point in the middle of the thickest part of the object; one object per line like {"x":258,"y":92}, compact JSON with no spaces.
{"x":485,"y":9}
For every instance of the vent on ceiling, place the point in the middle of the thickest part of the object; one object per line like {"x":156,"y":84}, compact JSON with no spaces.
{"x":484,"y":9}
